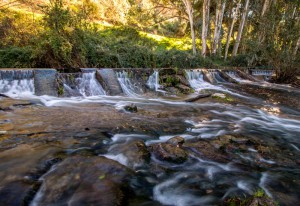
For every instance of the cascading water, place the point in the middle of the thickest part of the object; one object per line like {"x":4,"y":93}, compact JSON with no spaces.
{"x":84,"y":85}
{"x":195,"y":78}
{"x":128,"y":87}
{"x":261,"y":73}
{"x":235,"y":76}
{"x":216,"y":76}
{"x":17,"y":83}
{"x":153,"y":81}
{"x":89,"y":86}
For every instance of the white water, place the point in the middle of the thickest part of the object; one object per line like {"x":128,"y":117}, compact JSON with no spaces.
{"x":153,"y":81}
{"x":236,"y":77}
{"x":195,"y":78}
{"x":127,"y":85}
{"x":17,"y":83}
{"x":217,"y":77}
{"x":89,"y":86}
{"x":262,"y":73}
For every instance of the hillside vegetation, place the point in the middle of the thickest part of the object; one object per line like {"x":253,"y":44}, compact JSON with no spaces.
{"x":151,"y":33}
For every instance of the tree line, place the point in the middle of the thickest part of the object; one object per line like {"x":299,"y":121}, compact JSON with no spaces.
{"x":225,"y":32}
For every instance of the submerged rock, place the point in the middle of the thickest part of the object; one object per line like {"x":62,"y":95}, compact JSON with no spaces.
{"x":84,"y":181}
{"x":130,"y":108}
{"x":135,"y":152}
{"x":169,"y":152}
{"x":177,"y":141}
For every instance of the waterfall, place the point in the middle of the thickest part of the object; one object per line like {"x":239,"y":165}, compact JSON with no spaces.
{"x":128,"y":87}
{"x":16,"y":83}
{"x":262,"y":73}
{"x":195,"y":79}
{"x":216,"y":76}
{"x":89,"y":86}
{"x":234,"y":76}
{"x":84,"y":84}
{"x":153,"y":81}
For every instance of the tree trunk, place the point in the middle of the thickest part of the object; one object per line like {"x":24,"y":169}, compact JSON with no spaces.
{"x":205,"y":24}
{"x":265,"y":7}
{"x":231,"y":29}
{"x":263,"y":12}
{"x":297,"y":47}
{"x":240,"y":31}
{"x":218,"y":11}
{"x":220,"y":23}
{"x":189,"y":10}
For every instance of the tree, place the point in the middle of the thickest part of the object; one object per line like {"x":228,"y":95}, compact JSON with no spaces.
{"x":205,"y":25}
{"x":218,"y":24}
{"x":235,"y":14}
{"x":241,"y":28}
{"x":190,"y":11}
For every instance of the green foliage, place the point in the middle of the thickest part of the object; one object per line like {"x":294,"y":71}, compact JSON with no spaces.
{"x":16,"y":57}
{"x":259,"y":193}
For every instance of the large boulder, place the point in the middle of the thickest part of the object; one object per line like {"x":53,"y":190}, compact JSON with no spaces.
{"x":84,"y":181}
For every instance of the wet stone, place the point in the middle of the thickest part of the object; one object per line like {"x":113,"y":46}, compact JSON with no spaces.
{"x":84,"y":181}
{"x":169,"y":152}
{"x":135,"y":152}
{"x":177,"y":141}
{"x":131,"y":108}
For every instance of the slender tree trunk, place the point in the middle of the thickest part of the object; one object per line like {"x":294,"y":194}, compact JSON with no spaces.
{"x":235,"y":15}
{"x":205,"y":24}
{"x":218,"y":11}
{"x":190,"y":10}
{"x":263,"y":12}
{"x":220,"y":25}
{"x":265,"y":7}
{"x":297,"y":47}
{"x":240,"y":31}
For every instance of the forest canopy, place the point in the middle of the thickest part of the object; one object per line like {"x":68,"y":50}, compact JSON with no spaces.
{"x":151,"y":33}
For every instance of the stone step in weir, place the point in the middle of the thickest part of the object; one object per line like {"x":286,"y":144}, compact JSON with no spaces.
{"x":45,"y":82}
{"x":109,"y":80}
{"x":208,"y":77}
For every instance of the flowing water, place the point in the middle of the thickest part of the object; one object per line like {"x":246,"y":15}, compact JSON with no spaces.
{"x":128,"y":87}
{"x":153,"y":81}
{"x":84,"y":85}
{"x":86,"y":150}
{"x":16,"y":83}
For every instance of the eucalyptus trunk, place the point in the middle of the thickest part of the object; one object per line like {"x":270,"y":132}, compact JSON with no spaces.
{"x":218,"y":25}
{"x":235,"y":15}
{"x":241,"y":28}
{"x":190,"y":11}
{"x":205,"y":24}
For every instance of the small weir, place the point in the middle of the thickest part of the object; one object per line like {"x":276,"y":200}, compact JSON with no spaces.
{"x":16,"y":83}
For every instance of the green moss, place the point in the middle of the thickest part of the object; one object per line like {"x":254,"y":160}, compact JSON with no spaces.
{"x":259,"y":193}
{"x":60,"y":90}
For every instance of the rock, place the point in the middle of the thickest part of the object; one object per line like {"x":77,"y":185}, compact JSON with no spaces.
{"x":183,"y":89}
{"x":250,"y":201}
{"x":176,"y":141}
{"x":136,"y":152}
{"x":169,"y":152}
{"x":219,"y":95}
{"x":200,"y":96}
{"x":130,"y":108}
{"x":84,"y":181}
